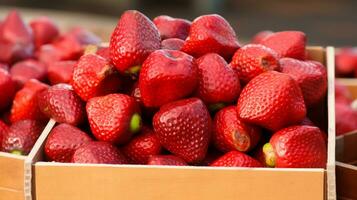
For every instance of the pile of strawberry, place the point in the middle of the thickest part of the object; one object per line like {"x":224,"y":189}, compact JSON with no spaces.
{"x":346,"y":62}
{"x":32,"y":58}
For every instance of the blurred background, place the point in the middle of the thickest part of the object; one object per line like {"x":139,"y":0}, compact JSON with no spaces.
{"x":326,"y":22}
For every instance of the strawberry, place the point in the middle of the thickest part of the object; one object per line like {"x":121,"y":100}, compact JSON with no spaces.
{"x":84,"y":37}
{"x":170,"y":27}
{"x":7,"y":88}
{"x":142,"y":147}
{"x":61,"y":71}
{"x":184,"y":128}
{"x":287,"y":44}
{"x":3,"y":129}
{"x":167,"y":75}
{"x":25,"y":105}
{"x":166,"y":160}
{"x":133,"y":39}
{"x":236,"y":159}
{"x":99,"y":50}
{"x":63,"y":141}
{"x":62,"y":104}
{"x":25,"y":70}
{"x":211,"y":156}
{"x":296,"y":147}
{"x":68,"y":47}
{"x":4,"y":66}
{"x":260,"y":36}
{"x":252,"y":60}
{"x":21,"y":137}
{"x":94,"y":76}
{"x":47,"y":54}
{"x":346,"y":118}
{"x":231,"y":133}
{"x":311,"y":77}
{"x":99,"y":153}
{"x":346,"y":61}
{"x":44,"y":30}
{"x":218,"y":83}
{"x":342,"y":94}
{"x":272,"y":100}
{"x":114,"y":118}
{"x":211,"y":34}
{"x":172,"y":44}
{"x":16,"y":39}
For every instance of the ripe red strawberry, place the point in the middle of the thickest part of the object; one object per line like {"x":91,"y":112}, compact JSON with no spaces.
{"x":3,"y":129}
{"x":84,"y":37}
{"x":104,"y":52}
{"x":231,"y":133}
{"x":63,"y":141}
{"x":346,"y":118}
{"x":254,"y":59}
{"x":218,"y":83}
{"x":342,"y":94}
{"x":211,"y":34}
{"x":142,"y":147}
{"x":166,"y":160}
{"x":25,"y":70}
{"x":7,"y":88}
{"x":272,"y":100}
{"x":166,"y":76}
{"x":184,"y":128}
{"x":21,"y":137}
{"x":114,"y":118}
{"x":47,"y":54}
{"x":68,"y":47}
{"x":44,"y":30}
{"x":172,"y":44}
{"x":61,"y":71}
{"x":236,"y":159}
{"x":25,"y":105}
{"x":94,"y":76}
{"x":311,"y":77}
{"x":133,"y":39}
{"x":16,"y":39}
{"x":4,"y":66}
{"x":260,"y":36}
{"x":99,"y":153}
{"x":170,"y":27}
{"x":62,"y":104}
{"x":287,"y":44}
{"x":346,"y":61}
{"x":296,"y":147}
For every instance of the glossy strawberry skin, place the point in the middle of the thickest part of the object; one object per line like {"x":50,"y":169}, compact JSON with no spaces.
{"x":184,"y":128}
{"x":346,"y":61}
{"x":231,"y":133}
{"x":25,"y":70}
{"x":272,"y":100}
{"x":287,"y":44}
{"x":211,"y":34}
{"x":218,"y":83}
{"x":7,"y":88}
{"x":345,"y":118}
{"x":311,"y":77}
{"x":133,"y":39}
{"x":172,"y":44}
{"x":67,"y":47}
{"x":260,"y":36}
{"x":4,"y":66}
{"x":48,"y":54}
{"x":44,"y":30}
{"x":61,"y":71}
{"x":252,"y":60}
{"x":21,"y":136}
{"x":109,"y":117}
{"x":342,"y":94}
{"x":236,"y":159}
{"x":63,"y":141}
{"x":3,"y":129}
{"x":170,"y":27}
{"x":94,"y":76}
{"x":62,"y":104}
{"x":166,"y":76}
{"x":166,"y":160}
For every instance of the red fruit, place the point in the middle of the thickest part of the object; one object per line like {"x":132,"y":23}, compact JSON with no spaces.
{"x":287,"y":44}
{"x":346,"y":61}
{"x":7,"y":88}
{"x":44,"y":30}
{"x":61,"y":71}
{"x":62,"y":104}
{"x":4,"y":66}
{"x":272,"y":100}
{"x":142,"y":147}
{"x":94,"y":76}
{"x":184,"y":128}
{"x":99,"y":153}
{"x":25,"y":105}
{"x":114,"y":118}
{"x":3,"y":129}
{"x":104,"y":52}
{"x":211,"y":34}
{"x":236,"y":159}
{"x":260,"y":36}
{"x":16,"y":39}
{"x":254,"y":59}
{"x":63,"y":141}
{"x":296,"y":147}
{"x":47,"y":54}
{"x":231,"y":133}
{"x":133,"y":39}
{"x":166,"y":160}
{"x":84,"y":37}
{"x":68,"y":47}
{"x":307,"y":121}
{"x":172,"y":44}
{"x":342,"y":94}
{"x":25,"y":70}
{"x":170,"y":27}
{"x":166,"y":76}
{"x":21,"y":137}
{"x":346,"y":118}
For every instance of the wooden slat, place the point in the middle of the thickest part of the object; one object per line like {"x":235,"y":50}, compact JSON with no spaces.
{"x":7,"y":194}
{"x":346,"y":180}
{"x":11,"y":171}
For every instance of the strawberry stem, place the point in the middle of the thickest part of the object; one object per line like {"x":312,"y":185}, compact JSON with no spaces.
{"x":135,"y":123}
{"x":90,"y":49}
{"x":16,"y":152}
{"x":134,"y":70}
{"x":270,"y":157}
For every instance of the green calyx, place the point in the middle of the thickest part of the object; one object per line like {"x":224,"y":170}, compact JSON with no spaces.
{"x":16,"y":152}
{"x":135,"y":123}
{"x":269,"y":155}
{"x":216,"y":107}
{"x":134,"y":70}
